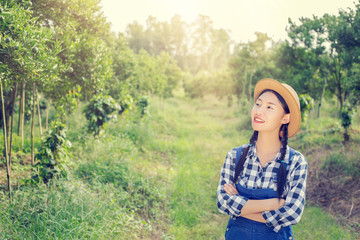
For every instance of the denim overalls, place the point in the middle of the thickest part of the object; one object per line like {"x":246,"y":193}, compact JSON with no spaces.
{"x":246,"y":229}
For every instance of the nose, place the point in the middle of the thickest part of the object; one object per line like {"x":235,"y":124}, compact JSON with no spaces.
{"x":259,"y":110}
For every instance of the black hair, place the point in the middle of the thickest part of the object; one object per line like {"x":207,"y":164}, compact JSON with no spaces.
{"x":281,"y":174}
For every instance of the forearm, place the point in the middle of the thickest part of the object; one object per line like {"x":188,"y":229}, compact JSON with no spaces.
{"x":258,"y":206}
{"x":255,"y":217}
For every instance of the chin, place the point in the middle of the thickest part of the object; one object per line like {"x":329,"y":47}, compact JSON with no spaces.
{"x":255,"y":128}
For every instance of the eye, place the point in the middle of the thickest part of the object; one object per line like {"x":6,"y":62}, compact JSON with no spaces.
{"x":269,"y":107}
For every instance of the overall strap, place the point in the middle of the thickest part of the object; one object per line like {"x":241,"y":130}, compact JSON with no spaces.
{"x":239,"y":165}
{"x":291,"y":152}
{"x":238,"y":155}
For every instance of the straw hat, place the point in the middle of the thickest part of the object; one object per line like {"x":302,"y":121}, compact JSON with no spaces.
{"x":290,"y":96}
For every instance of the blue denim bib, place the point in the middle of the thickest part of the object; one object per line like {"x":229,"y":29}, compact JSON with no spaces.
{"x":240,"y":228}
{"x":246,"y":229}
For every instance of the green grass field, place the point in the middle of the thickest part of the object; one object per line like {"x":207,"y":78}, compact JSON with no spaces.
{"x":154,"y":178}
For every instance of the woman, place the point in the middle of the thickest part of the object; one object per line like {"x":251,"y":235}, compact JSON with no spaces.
{"x":262,"y":184}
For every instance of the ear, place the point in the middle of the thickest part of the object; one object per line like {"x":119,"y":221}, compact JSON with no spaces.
{"x":286,"y":119}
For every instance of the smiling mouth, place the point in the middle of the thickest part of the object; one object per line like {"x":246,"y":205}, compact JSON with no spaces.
{"x":258,"y":120}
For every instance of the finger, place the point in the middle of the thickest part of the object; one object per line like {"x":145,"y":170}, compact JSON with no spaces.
{"x":233,"y":189}
{"x":228,"y":189}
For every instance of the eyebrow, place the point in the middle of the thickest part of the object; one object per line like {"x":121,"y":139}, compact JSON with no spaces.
{"x":271,"y":103}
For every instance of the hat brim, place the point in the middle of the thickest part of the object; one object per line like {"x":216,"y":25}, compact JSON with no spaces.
{"x":290,"y":97}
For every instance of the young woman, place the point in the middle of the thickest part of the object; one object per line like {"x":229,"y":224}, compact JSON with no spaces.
{"x":262,"y":183}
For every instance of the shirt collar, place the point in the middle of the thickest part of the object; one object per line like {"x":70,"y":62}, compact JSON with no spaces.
{"x":252,"y":152}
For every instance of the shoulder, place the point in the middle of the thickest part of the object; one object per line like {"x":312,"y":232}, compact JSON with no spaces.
{"x":239,"y":149}
{"x":231,"y":155}
{"x":297,"y":158}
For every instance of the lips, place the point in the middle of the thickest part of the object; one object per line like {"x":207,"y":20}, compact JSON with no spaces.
{"x":258,"y":120}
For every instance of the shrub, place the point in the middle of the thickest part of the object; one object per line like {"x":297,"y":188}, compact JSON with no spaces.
{"x":100,"y":110}
{"x":306,"y":103}
{"x":53,"y":155}
{"x":125,"y":103}
{"x":143,"y":105}
{"x":346,"y":114}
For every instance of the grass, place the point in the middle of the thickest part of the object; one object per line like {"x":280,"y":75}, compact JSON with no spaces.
{"x":151,"y":178}
{"x":316,"y":224}
{"x":207,"y":130}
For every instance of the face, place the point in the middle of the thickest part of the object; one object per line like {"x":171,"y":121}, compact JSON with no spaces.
{"x":268,"y":114}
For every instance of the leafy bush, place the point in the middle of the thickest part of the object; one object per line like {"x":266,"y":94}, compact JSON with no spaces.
{"x":125,"y":103}
{"x":100,"y":110}
{"x":53,"y":155}
{"x":346,"y":114}
{"x":68,"y":102}
{"x":196,"y":87}
{"x":306,"y":103}
{"x":143,"y":105}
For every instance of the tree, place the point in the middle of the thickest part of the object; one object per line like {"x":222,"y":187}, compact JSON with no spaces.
{"x":27,"y":55}
{"x":84,"y":32}
{"x":248,"y":60}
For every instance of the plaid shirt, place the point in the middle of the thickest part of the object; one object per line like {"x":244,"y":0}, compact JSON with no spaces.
{"x":255,"y":177}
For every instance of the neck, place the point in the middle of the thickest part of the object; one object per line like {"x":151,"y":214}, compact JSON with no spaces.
{"x":268,"y":143}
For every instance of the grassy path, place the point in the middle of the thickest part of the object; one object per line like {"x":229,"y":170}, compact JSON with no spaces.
{"x":199,"y":134}
{"x":153,"y":178}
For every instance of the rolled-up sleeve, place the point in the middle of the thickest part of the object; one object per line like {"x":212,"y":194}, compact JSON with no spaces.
{"x":229,"y":204}
{"x":291,"y":212}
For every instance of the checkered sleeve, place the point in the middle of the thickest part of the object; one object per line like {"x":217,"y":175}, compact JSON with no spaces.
{"x":291,"y":212}
{"x":229,"y":204}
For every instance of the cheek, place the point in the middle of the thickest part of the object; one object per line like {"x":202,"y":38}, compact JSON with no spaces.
{"x":253,"y":109}
{"x":252,"y":112}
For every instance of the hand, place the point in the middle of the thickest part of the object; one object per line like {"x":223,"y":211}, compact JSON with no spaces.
{"x":277,"y":203}
{"x":230,"y":189}
{"x":281,"y":203}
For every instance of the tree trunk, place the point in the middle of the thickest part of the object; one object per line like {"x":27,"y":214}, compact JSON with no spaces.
{"x":33,"y":127}
{"x":22,"y":113}
{"x":12,"y":123}
{"x":250,"y":92}
{"x":321,"y":97}
{"x":245,"y":76}
{"x":47,"y":116}
{"x":39,"y":113}
{"x":346,"y":136}
{"x":5,"y":141}
{"x":20,"y":107}
{"x":338,"y":76}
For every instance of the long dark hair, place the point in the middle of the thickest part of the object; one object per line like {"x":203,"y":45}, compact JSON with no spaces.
{"x":281,"y":174}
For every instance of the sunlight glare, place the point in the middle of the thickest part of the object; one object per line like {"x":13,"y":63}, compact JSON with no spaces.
{"x":187,"y":9}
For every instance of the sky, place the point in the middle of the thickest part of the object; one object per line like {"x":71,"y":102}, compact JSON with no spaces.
{"x":242,"y":18}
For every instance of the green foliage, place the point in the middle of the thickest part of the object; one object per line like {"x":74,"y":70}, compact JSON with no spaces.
{"x":53,"y":155}
{"x":68,"y":103}
{"x":196,"y":86}
{"x":306,"y":103}
{"x":100,"y":110}
{"x":346,"y":113}
{"x":82,"y":29}
{"x":27,"y":52}
{"x":143,"y":105}
{"x":126,"y":103}
{"x":198,"y":46}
